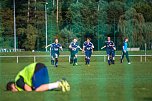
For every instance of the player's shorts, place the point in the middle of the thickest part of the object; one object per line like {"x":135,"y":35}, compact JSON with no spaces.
{"x":40,"y":76}
{"x":73,"y":53}
{"x":111,"y":52}
{"x":88,"y":54}
{"x":55,"y":55}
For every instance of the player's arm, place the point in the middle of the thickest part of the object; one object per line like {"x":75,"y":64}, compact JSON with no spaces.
{"x":123,"y":49}
{"x":92,"y":47}
{"x":48,"y":46}
{"x":103,"y":47}
{"x":80,"y":48}
{"x":114,"y":47}
{"x":83,"y":49}
{"x":61,"y":48}
{"x":70,"y":46}
{"x":21,"y":84}
{"x":27,"y":88}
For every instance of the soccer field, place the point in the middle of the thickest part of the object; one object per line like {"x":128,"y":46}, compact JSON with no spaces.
{"x":98,"y":82}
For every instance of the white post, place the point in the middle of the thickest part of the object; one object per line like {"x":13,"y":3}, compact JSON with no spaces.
{"x":17,"y":59}
{"x":53,"y":3}
{"x":57,"y":7}
{"x":145,"y":51}
{"x":14,"y":28}
{"x":69,"y":58}
{"x":46,"y":23}
{"x":34,"y":59}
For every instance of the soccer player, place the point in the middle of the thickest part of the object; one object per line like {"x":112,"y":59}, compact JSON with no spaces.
{"x":34,"y":77}
{"x":74,"y":48}
{"x":125,"y":51}
{"x":55,"y":47}
{"x":110,"y":50}
{"x":88,"y":49}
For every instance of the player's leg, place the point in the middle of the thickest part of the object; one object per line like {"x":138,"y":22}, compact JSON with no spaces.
{"x":122,"y":56}
{"x":40,"y":76}
{"x":52,"y":60}
{"x":62,"y":84}
{"x":56,"y":60}
{"x":40,"y":80}
{"x":86,"y":58}
{"x":75,"y":59}
{"x":113,"y":57}
{"x":89,"y":56}
{"x":108,"y":55}
{"x":127,"y":57}
{"x":71,"y":58}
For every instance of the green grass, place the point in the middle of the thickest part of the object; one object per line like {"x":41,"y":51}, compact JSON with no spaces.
{"x":99,"y":82}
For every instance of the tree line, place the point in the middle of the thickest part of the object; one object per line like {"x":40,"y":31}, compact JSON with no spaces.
{"x":96,"y":19}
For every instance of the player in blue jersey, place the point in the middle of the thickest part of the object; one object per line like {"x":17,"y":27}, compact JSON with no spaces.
{"x":125,"y":51}
{"x":88,"y":50}
{"x":110,"y":50}
{"x":55,"y":47}
{"x":74,"y":48}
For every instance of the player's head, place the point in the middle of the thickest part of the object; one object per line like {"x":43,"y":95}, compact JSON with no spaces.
{"x":126,"y":39}
{"x":88,"y":40}
{"x":56,"y":40}
{"x":11,"y":87}
{"x":75,"y":40}
{"x":108,"y":38}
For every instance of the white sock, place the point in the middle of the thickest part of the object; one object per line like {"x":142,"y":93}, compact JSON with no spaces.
{"x":53,"y":85}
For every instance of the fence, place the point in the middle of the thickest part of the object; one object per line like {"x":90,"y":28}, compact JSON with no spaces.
{"x":141,"y":57}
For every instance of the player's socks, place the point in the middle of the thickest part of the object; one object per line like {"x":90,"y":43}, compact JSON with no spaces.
{"x":56,"y":62}
{"x":52,"y":62}
{"x":88,"y":61}
{"x":109,"y":62}
{"x":113,"y":61}
{"x":71,"y":60}
{"x":120,"y":60}
{"x":74,"y":61}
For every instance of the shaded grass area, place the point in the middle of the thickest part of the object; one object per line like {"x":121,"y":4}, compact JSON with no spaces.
{"x":98,"y":82}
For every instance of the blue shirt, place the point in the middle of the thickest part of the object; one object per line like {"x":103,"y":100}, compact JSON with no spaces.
{"x":109,"y":45}
{"x":88,"y":46}
{"x":74,"y":46}
{"x":55,"y":47}
{"x":125,"y":46}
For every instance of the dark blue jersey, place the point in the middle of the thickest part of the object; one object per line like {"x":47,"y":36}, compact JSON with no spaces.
{"x":74,"y":47}
{"x":88,"y":46}
{"x":109,"y":45}
{"x":55,"y":47}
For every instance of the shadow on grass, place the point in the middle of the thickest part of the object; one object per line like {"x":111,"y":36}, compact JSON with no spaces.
{"x":147,"y":99}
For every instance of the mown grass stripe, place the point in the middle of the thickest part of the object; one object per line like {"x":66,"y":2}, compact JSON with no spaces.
{"x":128,"y":82}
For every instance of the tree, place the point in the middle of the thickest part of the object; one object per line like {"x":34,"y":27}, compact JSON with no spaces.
{"x":30,"y":42}
{"x":131,"y":25}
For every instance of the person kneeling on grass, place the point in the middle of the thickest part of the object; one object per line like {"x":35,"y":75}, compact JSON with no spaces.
{"x":34,"y":77}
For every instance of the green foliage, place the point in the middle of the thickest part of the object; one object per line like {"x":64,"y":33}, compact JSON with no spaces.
{"x":30,"y":42}
{"x":80,"y":18}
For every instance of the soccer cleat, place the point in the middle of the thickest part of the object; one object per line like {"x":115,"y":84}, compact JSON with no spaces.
{"x":76,"y":64}
{"x":55,"y":65}
{"x":66,"y":85}
{"x":61,"y":86}
{"x":120,"y":60}
{"x":129,"y":63}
